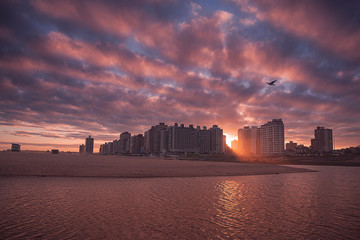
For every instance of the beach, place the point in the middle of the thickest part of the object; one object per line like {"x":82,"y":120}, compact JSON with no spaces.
{"x":43,"y":164}
{"x":79,"y":196}
{"x":351,"y":160}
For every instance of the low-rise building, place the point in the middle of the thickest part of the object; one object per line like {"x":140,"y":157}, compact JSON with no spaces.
{"x":82,"y":148}
{"x":290,"y":146}
{"x":15,"y":147}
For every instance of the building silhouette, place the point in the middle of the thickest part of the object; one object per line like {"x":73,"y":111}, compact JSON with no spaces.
{"x":323,"y":141}
{"x":249,"y":140}
{"x":121,"y":146}
{"x":216,"y":140}
{"x":124,"y":142}
{"x":15,"y":147}
{"x":82,"y":148}
{"x":101,"y":149}
{"x":89,"y":145}
{"x":163,"y":139}
{"x":179,"y":139}
{"x":127,"y":144}
{"x":54,"y":151}
{"x":152,"y":138}
{"x":204,"y":143}
{"x":116,"y":147}
{"x":272,"y":137}
{"x":224,"y":146}
{"x":235,"y":146}
{"x":137,"y":144}
{"x":290,"y":146}
{"x":107,"y":148}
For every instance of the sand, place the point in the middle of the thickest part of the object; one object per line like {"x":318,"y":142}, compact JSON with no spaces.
{"x":352,"y":161}
{"x":82,"y":165}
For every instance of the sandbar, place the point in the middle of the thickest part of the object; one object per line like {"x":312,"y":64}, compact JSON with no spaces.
{"x":43,"y":164}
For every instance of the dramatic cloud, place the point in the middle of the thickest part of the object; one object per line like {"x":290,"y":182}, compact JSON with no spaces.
{"x":69,"y":69}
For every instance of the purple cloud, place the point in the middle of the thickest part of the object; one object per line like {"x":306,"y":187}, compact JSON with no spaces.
{"x":101,"y":68}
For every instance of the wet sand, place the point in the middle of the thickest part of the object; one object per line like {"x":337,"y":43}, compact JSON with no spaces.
{"x":82,"y":165}
{"x":352,"y":161}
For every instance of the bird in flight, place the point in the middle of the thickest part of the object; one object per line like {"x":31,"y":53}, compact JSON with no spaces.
{"x":272,"y":83}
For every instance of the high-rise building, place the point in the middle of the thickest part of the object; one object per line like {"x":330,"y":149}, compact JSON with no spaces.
{"x":272,"y":137}
{"x":116,"y":149}
{"x":216,"y":140}
{"x":323,"y":141}
{"x":137,"y":144}
{"x":161,"y":139}
{"x":164,"y":141}
{"x":182,"y":139}
{"x":203,"y":143}
{"x":148,"y":146}
{"x":107,"y":148}
{"x":152,"y":138}
{"x":224,"y":143}
{"x":89,"y":145}
{"x":82,"y":148}
{"x":249,"y":140}
{"x":235,"y":146}
{"x":101,"y":149}
{"x":110,"y":148}
{"x":244,"y":140}
{"x":124,"y":142}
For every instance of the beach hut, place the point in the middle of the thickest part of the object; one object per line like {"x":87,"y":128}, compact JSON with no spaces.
{"x":54,"y":151}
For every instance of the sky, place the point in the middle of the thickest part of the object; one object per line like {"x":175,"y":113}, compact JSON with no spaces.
{"x":69,"y":69}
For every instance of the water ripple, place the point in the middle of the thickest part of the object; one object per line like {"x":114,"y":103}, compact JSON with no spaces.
{"x":289,"y":206}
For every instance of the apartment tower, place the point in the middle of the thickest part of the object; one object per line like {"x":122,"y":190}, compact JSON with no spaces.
{"x":89,"y":145}
{"x":249,"y":140}
{"x":272,"y":137}
{"x":323,"y":141}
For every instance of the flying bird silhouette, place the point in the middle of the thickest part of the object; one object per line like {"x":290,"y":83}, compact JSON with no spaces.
{"x":272,"y":83}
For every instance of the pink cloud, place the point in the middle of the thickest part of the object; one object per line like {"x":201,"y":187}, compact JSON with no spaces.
{"x":93,"y":14}
{"x":200,"y":42}
{"x":245,"y":6}
{"x":119,"y":56}
{"x":123,"y":21}
{"x":27,"y":65}
{"x":310,"y":21}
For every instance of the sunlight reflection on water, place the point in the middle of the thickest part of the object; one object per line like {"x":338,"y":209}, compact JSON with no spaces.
{"x":315,"y":205}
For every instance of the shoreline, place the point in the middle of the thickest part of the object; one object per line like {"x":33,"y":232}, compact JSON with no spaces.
{"x":98,"y":166}
{"x":350,"y":161}
{"x":149,"y":176}
{"x":345,"y":161}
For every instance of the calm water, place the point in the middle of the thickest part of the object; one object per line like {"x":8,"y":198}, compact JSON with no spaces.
{"x":316,"y":205}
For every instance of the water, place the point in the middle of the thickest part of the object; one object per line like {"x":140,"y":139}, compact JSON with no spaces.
{"x":314,"y":205}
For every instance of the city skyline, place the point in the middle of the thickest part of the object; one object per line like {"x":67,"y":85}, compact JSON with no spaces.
{"x":266,"y":140}
{"x":229,"y":142}
{"x":70,"y":69}
{"x":162,"y":139}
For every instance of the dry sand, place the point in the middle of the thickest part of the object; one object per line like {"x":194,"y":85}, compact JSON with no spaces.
{"x":82,"y":165}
